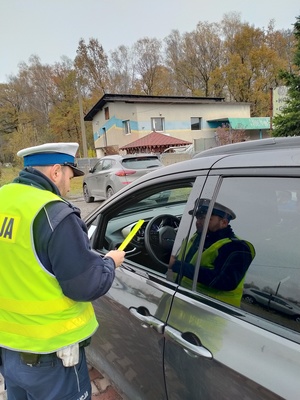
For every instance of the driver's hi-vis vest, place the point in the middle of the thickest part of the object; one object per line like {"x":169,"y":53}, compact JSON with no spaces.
{"x":35,"y":315}
{"x":207,"y":261}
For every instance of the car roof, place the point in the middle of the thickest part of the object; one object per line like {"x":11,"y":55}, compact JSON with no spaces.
{"x":285,"y":152}
{"x":251,"y":145}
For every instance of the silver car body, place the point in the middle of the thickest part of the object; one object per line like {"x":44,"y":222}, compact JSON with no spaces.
{"x":160,"y":340}
{"x":272,"y":302}
{"x":112,"y":173}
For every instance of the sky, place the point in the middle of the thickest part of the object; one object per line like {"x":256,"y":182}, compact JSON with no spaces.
{"x":51,"y":29}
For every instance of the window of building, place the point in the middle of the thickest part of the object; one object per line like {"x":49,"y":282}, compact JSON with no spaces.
{"x":126,"y":127}
{"x":106,"y":112}
{"x":158,"y":124}
{"x":196,"y":123}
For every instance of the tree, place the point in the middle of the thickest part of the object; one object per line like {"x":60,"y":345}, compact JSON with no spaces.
{"x":64,"y":121}
{"x":205,"y":54}
{"x":283,"y":42}
{"x":9,"y":108}
{"x":24,"y":108}
{"x":251,"y":66}
{"x":288,"y":122}
{"x":179,"y":68}
{"x":36,"y":86}
{"x":91,"y":64}
{"x":122,"y":70}
{"x":148,"y":60}
{"x":64,"y":115}
{"x":193,"y":57}
{"x":226,"y":135}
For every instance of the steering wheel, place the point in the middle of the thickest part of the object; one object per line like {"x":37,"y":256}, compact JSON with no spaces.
{"x":159,"y":238}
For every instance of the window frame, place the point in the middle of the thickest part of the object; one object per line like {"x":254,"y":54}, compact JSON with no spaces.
{"x":106,"y":113}
{"x":196,"y":125}
{"x":162,"y":124}
{"x":126,"y":127}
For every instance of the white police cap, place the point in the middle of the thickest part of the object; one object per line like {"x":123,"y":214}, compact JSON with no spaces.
{"x":218,"y":209}
{"x":50,"y":154}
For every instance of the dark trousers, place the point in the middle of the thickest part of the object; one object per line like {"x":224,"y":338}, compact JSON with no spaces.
{"x":48,"y":380}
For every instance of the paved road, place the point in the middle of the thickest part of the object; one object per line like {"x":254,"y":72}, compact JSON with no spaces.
{"x":85,"y":208}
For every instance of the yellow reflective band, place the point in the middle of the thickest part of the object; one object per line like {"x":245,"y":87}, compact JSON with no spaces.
{"x":36,"y":307}
{"x":131,"y":234}
{"x":9,"y":225}
{"x":48,"y":331}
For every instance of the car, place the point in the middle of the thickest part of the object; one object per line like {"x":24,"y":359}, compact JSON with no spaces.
{"x":187,"y":149}
{"x":157,"y":338}
{"x":112,"y":173}
{"x":272,"y":302}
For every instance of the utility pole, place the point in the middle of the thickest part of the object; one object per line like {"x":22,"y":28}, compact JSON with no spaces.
{"x":83,"y":135}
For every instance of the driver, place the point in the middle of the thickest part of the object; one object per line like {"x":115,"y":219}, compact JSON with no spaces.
{"x":225,"y":258}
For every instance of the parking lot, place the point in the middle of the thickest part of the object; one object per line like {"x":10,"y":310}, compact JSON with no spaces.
{"x":85,"y":208}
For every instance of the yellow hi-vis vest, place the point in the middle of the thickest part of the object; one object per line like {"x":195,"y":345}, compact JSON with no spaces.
{"x":35,"y":315}
{"x":207,"y":261}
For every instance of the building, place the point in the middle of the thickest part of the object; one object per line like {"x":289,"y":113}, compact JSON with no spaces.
{"x":120,"y":119}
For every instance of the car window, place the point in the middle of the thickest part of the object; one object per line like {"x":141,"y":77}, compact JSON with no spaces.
{"x":98,"y":166}
{"x":267,"y":213}
{"x":141,"y":162}
{"x":107,"y":164}
{"x":161,"y":209}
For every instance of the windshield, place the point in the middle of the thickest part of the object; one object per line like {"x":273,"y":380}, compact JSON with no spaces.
{"x":141,"y":162}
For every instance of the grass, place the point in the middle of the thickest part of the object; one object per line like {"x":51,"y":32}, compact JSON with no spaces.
{"x":7,"y":175}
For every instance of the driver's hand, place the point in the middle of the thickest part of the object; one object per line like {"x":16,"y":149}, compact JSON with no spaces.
{"x":117,"y":255}
{"x":171,"y":262}
{"x":170,"y":275}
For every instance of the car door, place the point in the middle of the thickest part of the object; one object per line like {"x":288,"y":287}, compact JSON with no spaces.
{"x":214,"y":350}
{"x":129,"y":344}
{"x":92,"y":179}
{"x":104,"y":176}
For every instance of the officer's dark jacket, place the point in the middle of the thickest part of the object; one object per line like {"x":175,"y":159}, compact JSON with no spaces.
{"x":230,"y":266}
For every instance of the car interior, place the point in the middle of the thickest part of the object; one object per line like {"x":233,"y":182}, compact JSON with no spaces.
{"x":161,"y":212}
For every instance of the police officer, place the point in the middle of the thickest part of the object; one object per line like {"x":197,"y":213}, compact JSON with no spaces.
{"x":225,"y":258}
{"x":49,"y":276}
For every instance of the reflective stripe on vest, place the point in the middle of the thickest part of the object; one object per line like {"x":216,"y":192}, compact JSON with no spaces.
{"x":35,"y":315}
{"x":207,"y":261}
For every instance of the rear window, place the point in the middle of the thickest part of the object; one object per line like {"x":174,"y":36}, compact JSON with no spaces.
{"x":141,"y":162}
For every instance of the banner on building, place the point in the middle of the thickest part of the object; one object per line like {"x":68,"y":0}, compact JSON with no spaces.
{"x":280,"y":96}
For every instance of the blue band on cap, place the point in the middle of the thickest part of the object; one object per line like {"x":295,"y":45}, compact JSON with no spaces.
{"x":219,"y":213}
{"x":40,"y":159}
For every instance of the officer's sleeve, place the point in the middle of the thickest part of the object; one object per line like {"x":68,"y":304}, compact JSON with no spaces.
{"x":230,"y":267}
{"x":81,"y":272}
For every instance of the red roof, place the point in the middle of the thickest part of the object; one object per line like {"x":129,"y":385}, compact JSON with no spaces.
{"x":155,"y":139}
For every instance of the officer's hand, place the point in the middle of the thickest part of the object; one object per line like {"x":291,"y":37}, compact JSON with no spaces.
{"x":117,"y":255}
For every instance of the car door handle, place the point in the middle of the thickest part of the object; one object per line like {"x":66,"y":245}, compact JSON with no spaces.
{"x":143,"y":315}
{"x":185,"y":340}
